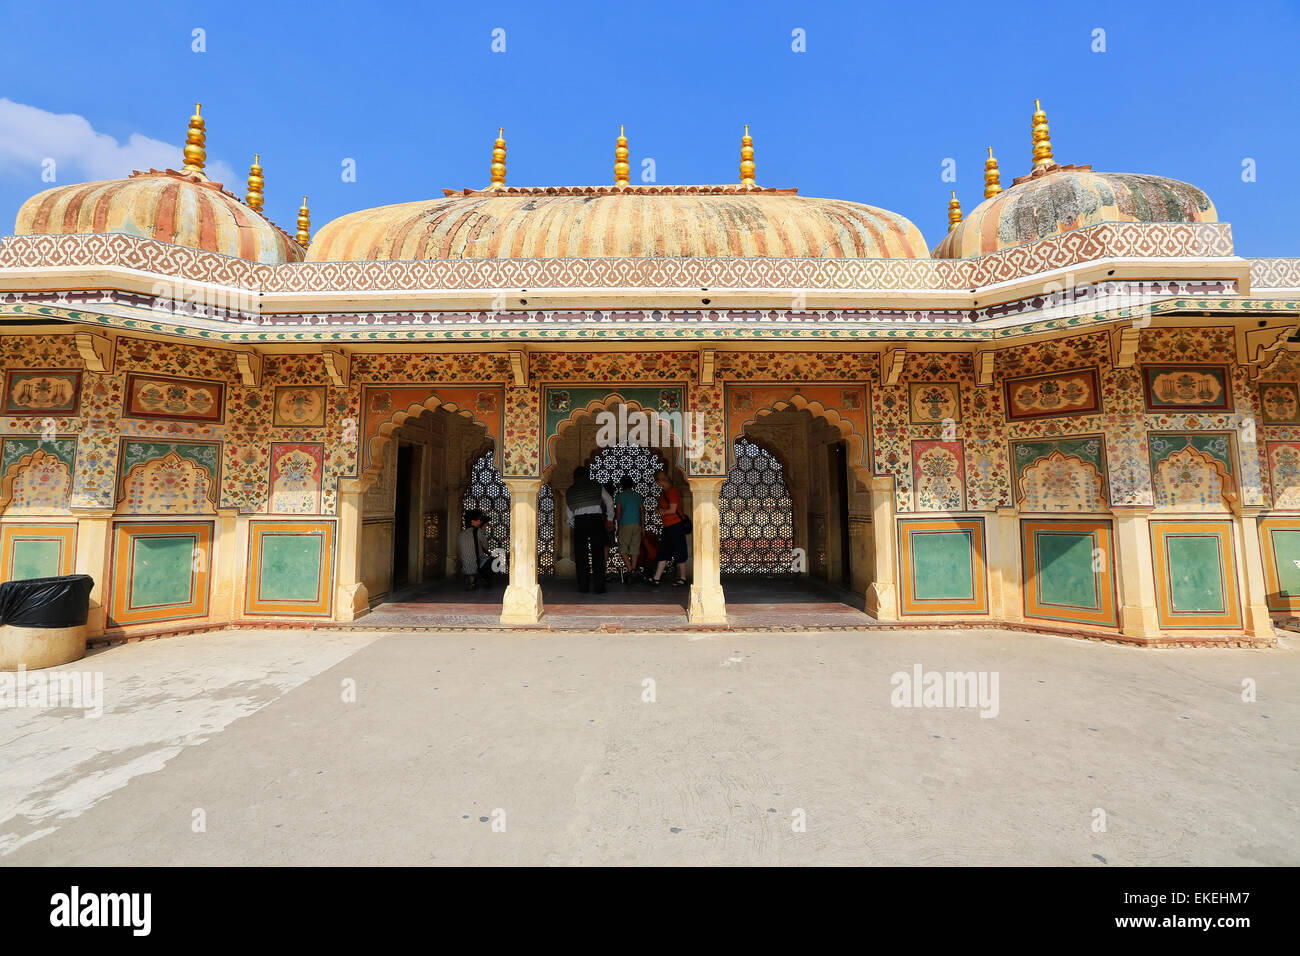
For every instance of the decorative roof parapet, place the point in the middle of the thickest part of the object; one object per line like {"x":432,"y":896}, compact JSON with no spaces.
{"x":1101,"y":241}
{"x":1275,"y":273}
{"x":638,"y":189}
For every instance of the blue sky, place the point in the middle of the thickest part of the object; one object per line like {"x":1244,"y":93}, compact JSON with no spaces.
{"x":881,"y":97}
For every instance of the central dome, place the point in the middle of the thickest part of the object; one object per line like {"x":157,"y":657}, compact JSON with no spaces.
{"x":620,"y":221}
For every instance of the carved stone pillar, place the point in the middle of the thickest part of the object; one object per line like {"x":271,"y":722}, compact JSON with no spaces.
{"x":523,"y":600}
{"x":94,"y":557}
{"x":351,"y":599}
{"x":1257,"y":621}
{"x":229,"y":572}
{"x":882,"y":596}
{"x":708,"y":606}
{"x":1137,"y":613}
{"x":1003,"y":531}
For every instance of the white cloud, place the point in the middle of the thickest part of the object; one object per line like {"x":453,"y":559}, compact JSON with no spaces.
{"x":29,"y":136}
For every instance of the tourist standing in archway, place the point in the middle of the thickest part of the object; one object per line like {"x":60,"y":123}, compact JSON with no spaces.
{"x":672,"y":546}
{"x":628,"y":514}
{"x":588,"y":507}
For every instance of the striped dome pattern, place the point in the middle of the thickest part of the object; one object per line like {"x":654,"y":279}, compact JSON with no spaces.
{"x":1062,"y":199}
{"x":180,"y":208}
{"x":617,"y":222}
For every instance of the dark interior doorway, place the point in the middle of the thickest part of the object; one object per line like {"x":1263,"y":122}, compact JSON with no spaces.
{"x":407,"y":491}
{"x":840,"y":483}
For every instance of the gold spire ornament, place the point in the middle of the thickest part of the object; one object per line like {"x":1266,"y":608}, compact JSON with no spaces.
{"x":954,"y":212}
{"x":256,"y":184}
{"x":1042,"y":138}
{"x":621,"y":168}
{"x":195,"y":155}
{"x":747,"y":159}
{"x":304,"y":224}
{"x":992,"y":178}
{"x":499,"y":160}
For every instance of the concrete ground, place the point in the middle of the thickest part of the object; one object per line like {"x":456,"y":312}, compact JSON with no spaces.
{"x":513,"y":749}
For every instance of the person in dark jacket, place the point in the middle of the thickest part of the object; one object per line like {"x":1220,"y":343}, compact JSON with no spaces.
{"x":588,"y":507}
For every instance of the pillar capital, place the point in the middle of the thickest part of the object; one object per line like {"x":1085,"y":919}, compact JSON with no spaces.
{"x":710,"y":485}
{"x":356,"y":486}
{"x":525,"y":485}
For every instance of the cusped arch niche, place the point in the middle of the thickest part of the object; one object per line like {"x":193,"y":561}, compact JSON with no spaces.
{"x":377,"y":445}
{"x":170,"y":485}
{"x":1190,"y":480}
{"x":856,"y":441}
{"x":36,"y":484}
{"x":671,"y":456}
{"x":1062,"y":483}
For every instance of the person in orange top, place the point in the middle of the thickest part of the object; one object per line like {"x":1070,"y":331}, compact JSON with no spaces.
{"x":672,"y":547}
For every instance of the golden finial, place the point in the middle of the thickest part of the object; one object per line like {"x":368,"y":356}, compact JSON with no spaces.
{"x":195,"y":154}
{"x":256,"y":184}
{"x":992,"y":179}
{"x":304,"y":224}
{"x":621,"y":168}
{"x":747,"y":159}
{"x":1042,"y":140}
{"x":499,"y":160}
{"x":954,"y":212}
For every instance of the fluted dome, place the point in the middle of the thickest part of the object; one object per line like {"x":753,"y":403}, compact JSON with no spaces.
{"x":184,"y":208}
{"x":619,"y":221}
{"x":1056,"y":199}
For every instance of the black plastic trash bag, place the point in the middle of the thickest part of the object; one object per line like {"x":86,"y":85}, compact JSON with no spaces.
{"x":46,"y":602}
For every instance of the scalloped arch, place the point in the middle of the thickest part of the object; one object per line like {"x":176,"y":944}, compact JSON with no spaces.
{"x":1058,"y":456}
{"x":18,"y":468}
{"x":1227,"y":486}
{"x":172,"y":460}
{"x":858,"y":445}
{"x":611,"y":401}
{"x":378,"y":442}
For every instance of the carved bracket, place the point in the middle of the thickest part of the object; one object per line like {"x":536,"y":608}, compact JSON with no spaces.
{"x":984,"y":368}
{"x":708,"y":358}
{"x":338,"y":365}
{"x":519,"y":367}
{"x":891,"y":365}
{"x":250,"y":368}
{"x":96,"y":351}
{"x":1124,"y":343}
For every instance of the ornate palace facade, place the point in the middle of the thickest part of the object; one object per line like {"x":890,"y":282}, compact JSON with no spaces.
{"x":1080,"y":410}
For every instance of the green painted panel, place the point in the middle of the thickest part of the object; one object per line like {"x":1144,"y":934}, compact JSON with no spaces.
{"x":290,"y":567}
{"x":206,"y":455}
{"x":36,"y":558}
{"x":1025,"y":453}
{"x":1195,"y":574}
{"x":941,"y":566}
{"x":162,"y":570}
{"x":1215,"y":444}
{"x":1065,"y":575}
{"x":64,"y":449}
{"x":1286,"y":551}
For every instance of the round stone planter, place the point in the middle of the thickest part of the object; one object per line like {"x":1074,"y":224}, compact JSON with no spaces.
{"x":36,"y":647}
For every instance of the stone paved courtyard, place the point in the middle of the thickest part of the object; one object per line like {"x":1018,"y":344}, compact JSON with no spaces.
{"x":452,"y":736}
